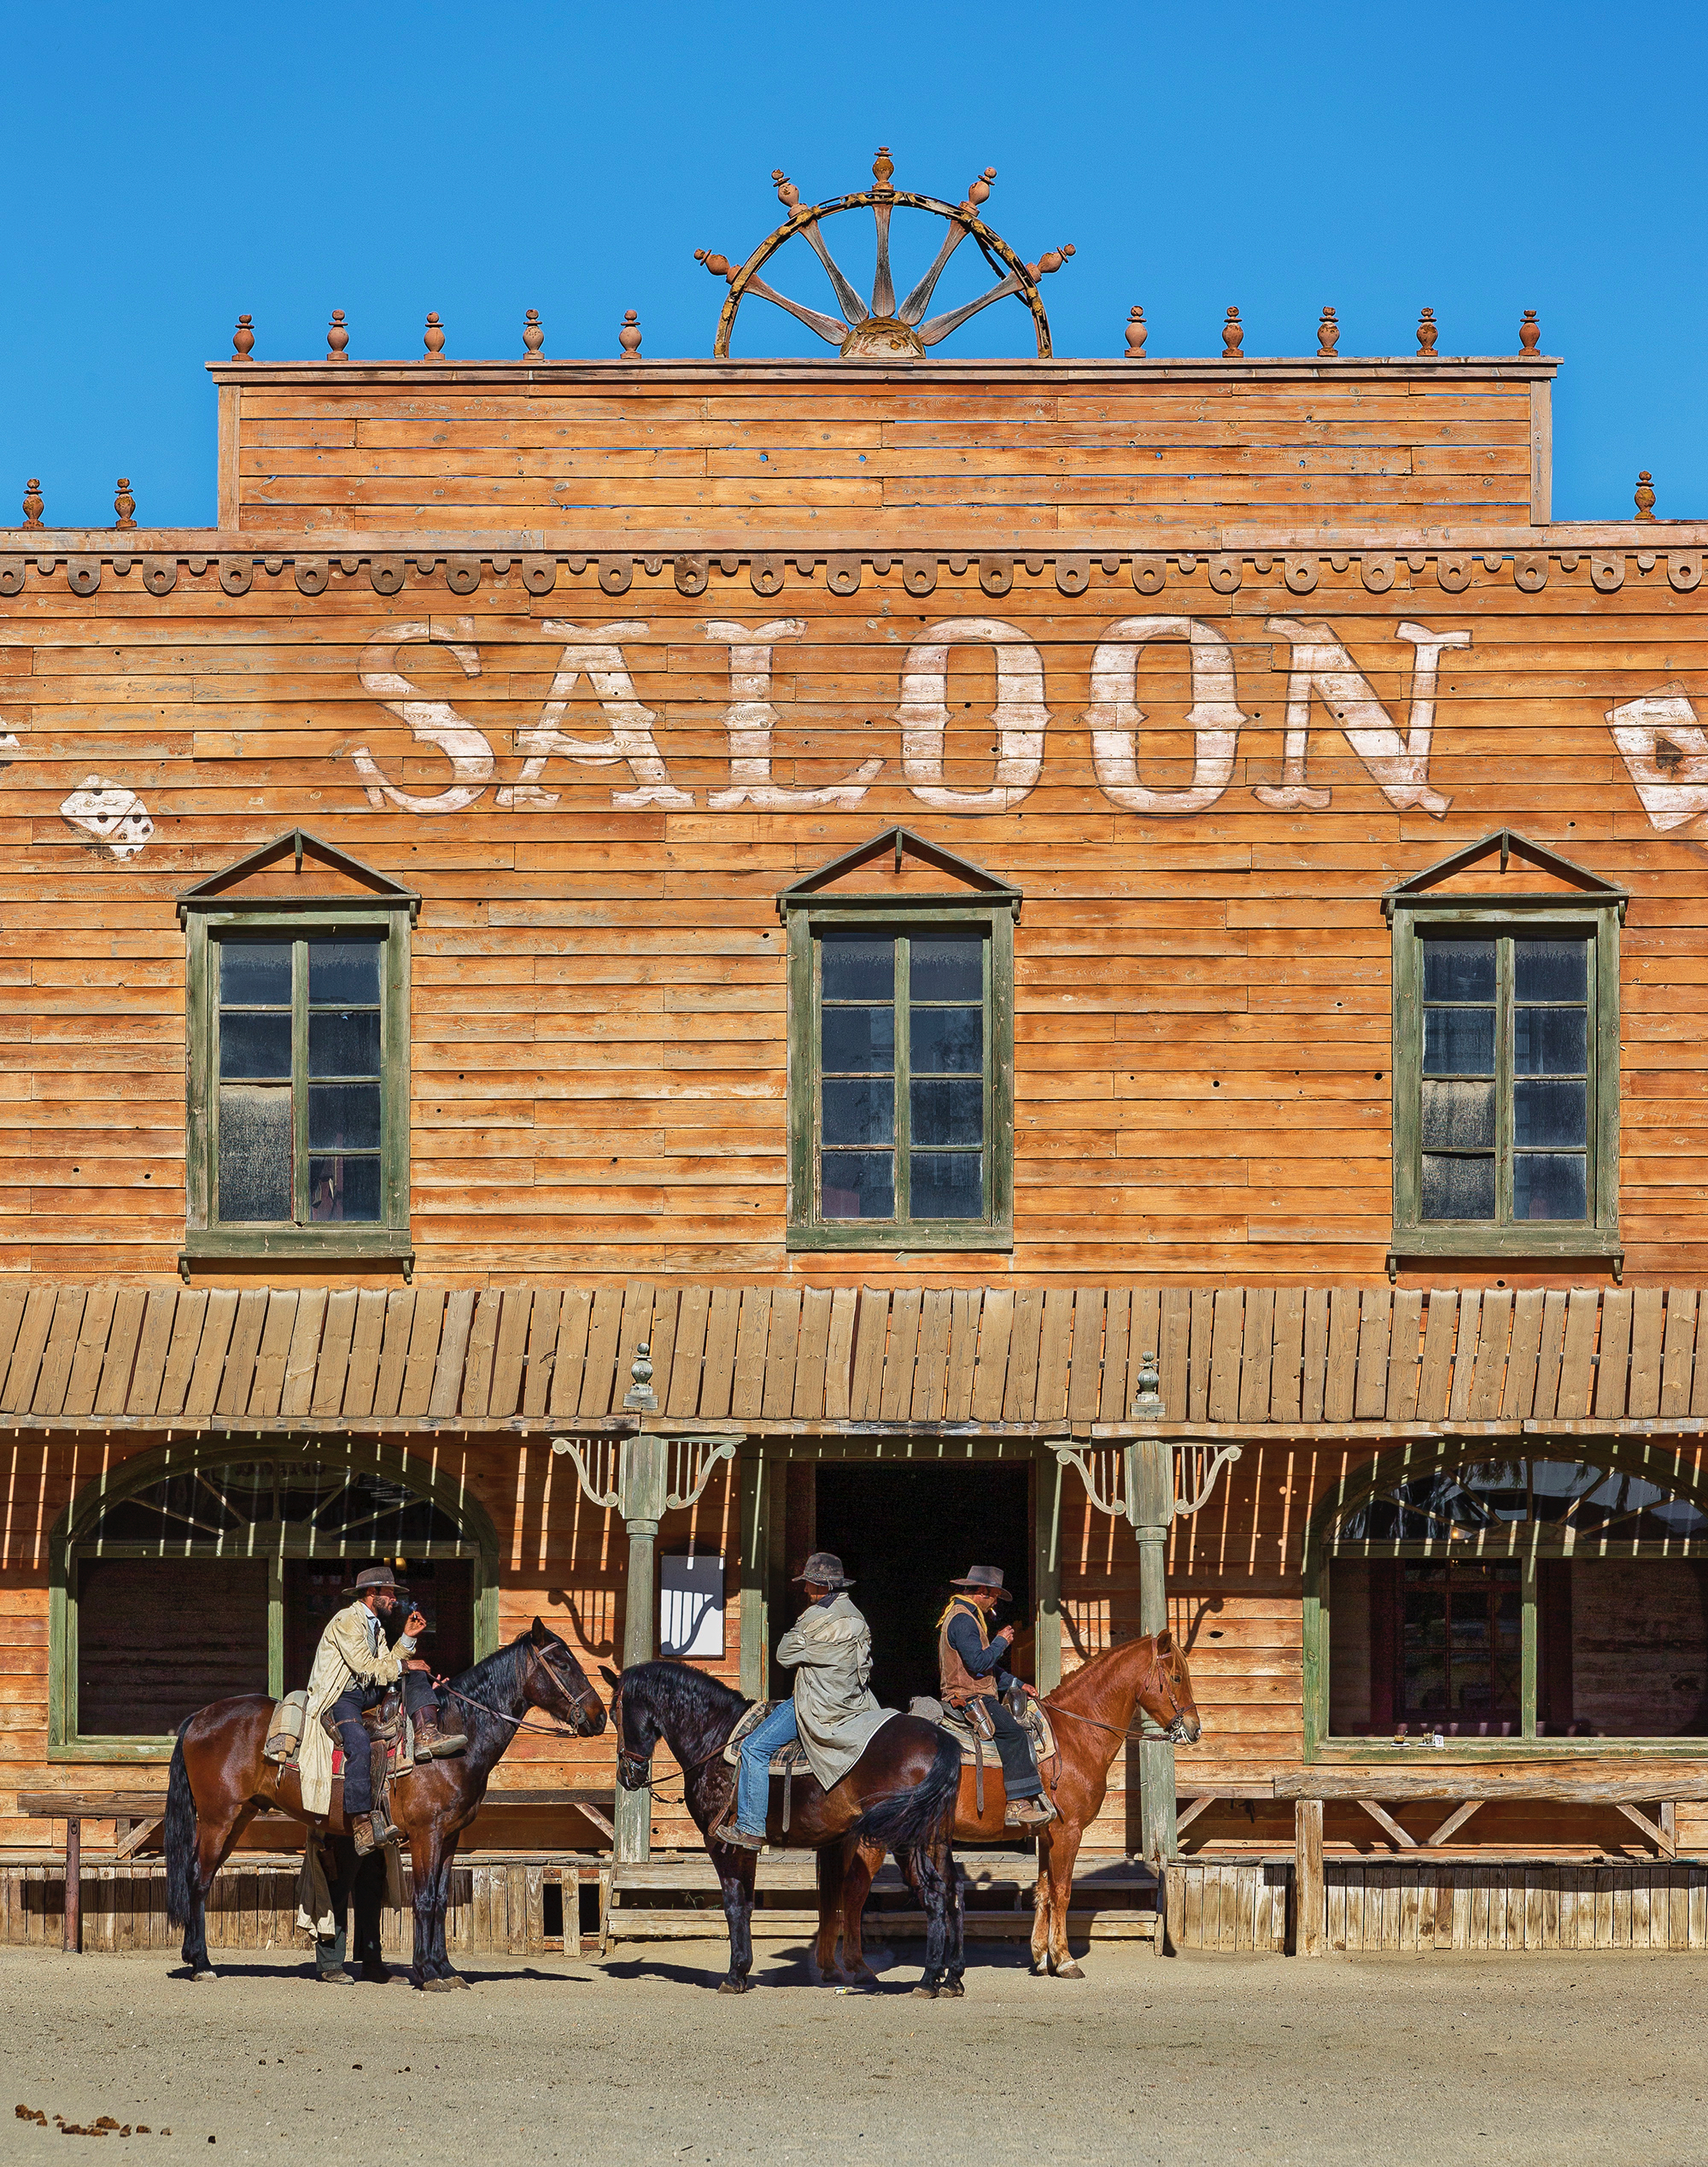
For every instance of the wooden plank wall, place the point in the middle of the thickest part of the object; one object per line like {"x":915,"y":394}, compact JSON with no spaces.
{"x":1294,"y":1360}
{"x":1202,"y":997}
{"x":596,"y":454}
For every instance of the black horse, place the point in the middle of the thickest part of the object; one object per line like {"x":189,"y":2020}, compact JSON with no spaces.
{"x":220,"y":1778}
{"x":900,"y":1796}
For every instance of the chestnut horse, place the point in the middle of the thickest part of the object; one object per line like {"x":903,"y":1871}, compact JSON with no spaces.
{"x":1092,"y":1714}
{"x":220,"y":1779}
{"x":899,"y":1797}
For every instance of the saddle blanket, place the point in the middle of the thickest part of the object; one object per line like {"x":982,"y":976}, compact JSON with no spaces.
{"x":389,"y":1729}
{"x":787,"y":1760}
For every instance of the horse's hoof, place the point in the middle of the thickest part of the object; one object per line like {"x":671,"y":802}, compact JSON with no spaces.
{"x":924,"y":1993}
{"x":1068,"y":1970}
{"x":731,"y":1986}
{"x":439,"y":1985}
{"x":953,"y":1990}
{"x":194,"y":1975}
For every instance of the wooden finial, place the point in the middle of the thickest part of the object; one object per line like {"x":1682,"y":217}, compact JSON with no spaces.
{"x":243,"y":339}
{"x":1529,"y":332}
{"x":125,"y":505}
{"x":1328,"y":335}
{"x":882,"y":166}
{"x":32,"y":502}
{"x":640,"y":1394}
{"x":787,"y":194}
{"x":433,"y":337}
{"x":1644,"y":495}
{"x":1428,"y":331}
{"x":628,"y":338}
{"x":1051,"y":259}
{"x":720,"y":267}
{"x":337,"y":337}
{"x":1135,"y":333}
{"x":532,"y":331}
{"x":1233,"y":337}
{"x":1147,"y":1400}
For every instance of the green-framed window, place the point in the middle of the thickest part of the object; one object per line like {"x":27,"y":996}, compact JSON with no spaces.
{"x":901,"y":1074}
{"x":1510,"y":1604}
{"x":185,"y":1575}
{"x":1506,"y":1077}
{"x":299,"y":1081}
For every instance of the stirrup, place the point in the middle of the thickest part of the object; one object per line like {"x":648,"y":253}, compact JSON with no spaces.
{"x":370,"y":1830}
{"x":1035,"y":1812}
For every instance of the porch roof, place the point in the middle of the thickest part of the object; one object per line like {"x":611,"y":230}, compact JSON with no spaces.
{"x":788,"y":1360}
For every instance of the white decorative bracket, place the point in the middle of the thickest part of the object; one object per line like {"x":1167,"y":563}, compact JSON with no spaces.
{"x":1107,"y":1482}
{"x":1107,"y":1474}
{"x":1195,"y":1469}
{"x":596,"y":1461}
{"x":692,"y":1462}
{"x":646,"y":1476}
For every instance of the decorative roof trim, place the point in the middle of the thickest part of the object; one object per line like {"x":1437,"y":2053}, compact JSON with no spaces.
{"x":904,"y":843}
{"x":1588,"y":886}
{"x":208,"y":894}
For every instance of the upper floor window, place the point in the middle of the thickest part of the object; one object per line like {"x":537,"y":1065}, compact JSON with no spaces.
{"x":901,"y":1039}
{"x":1506,"y":1061}
{"x":298,"y":1060}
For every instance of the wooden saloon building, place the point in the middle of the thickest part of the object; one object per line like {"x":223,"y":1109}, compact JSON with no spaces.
{"x":901,"y":887}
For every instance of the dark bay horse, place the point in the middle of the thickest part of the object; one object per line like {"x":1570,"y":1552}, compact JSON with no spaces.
{"x":220,"y":1779}
{"x":1093,"y":1713}
{"x":899,"y":1797}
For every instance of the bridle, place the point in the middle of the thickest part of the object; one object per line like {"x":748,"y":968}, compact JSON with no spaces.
{"x":520,"y":1722}
{"x":644,"y":1762}
{"x":1174,"y":1729}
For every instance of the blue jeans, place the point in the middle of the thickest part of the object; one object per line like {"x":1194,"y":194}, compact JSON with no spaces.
{"x":753,"y":1785}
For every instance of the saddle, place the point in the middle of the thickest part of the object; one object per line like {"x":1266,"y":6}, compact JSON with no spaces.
{"x":974,"y":1738}
{"x":786,"y":1761}
{"x":391,"y":1738}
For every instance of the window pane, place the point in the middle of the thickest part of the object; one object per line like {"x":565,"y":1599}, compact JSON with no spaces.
{"x":343,"y":971}
{"x":1550,"y":970}
{"x":1551,"y":1186}
{"x":947,"y":1185}
{"x":946,"y":1112}
{"x":862,"y":1040}
{"x":1549,"y":1113}
{"x":255,"y":1046}
{"x":343,"y":1117}
{"x":946,"y":1041}
{"x":1458,"y":1041}
{"x":853,"y":968}
{"x":947,"y":970}
{"x":344,"y":1044}
{"x":1459,"y":1114}
{"x":857,"y":1184}
{"x":1459,"y":971}
{"x":343,"y":1188}
{"x":255,"y":1152}
{"x":1457,"y":1188}
{"x":255,"y":973}
{"x":1550,"y":1041}
{"x":857,"y":1113}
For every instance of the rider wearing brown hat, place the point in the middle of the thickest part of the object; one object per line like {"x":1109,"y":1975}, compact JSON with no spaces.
{"x":971,"y":1667}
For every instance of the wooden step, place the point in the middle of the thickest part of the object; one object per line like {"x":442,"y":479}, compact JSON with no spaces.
{"x":672,"y":1924}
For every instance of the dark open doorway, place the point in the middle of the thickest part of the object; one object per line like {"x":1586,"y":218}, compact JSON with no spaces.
{"x":902,"y":1532}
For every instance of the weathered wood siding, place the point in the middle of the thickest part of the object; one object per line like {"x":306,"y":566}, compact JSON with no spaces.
{"x":1202,"y":1084}
{"x":596,"y":452}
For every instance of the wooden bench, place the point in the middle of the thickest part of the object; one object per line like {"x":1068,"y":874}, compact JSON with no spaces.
{"x":1625,"y":1786}
{"x":689,"y":1877}
{"x":140,"y":1816}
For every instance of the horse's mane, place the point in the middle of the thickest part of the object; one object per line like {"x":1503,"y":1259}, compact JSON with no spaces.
{"x":700,"y":1711}
{"x":477,"y":1682}
{"x":1091,"y":1672}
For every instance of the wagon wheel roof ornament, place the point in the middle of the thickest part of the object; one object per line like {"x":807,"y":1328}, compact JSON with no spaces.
{"x":880,"y":330}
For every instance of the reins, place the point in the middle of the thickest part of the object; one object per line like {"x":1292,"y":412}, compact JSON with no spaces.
{"x":1120,"y":1731}
{"x":520,"y":1722}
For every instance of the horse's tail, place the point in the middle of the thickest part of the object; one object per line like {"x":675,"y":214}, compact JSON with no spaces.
{"x":182,"y":1880}
{"x":922,"y":1815}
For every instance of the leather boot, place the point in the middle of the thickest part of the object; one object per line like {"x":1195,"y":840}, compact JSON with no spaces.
{"x":432,"y":1742}
{"x":1028,"y":1813}
{"x":370,"y":1831}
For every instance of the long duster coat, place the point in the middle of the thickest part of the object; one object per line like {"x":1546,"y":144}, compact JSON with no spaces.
{"x":345,"y":1656}
{"x":830,"y":1649}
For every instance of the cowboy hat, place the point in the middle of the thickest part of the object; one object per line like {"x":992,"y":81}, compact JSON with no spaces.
{"x":824,"y":1570}
{"x":984,"y":1575}
{"x":376,"y":1576}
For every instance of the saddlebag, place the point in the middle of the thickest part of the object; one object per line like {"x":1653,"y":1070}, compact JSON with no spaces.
{"x":284,"y":1733}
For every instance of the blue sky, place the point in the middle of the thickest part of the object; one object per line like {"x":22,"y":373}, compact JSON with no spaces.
{"x":170,"y":166}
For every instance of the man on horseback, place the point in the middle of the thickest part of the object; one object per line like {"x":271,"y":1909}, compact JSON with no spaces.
{"x":353,"y":1666}
{"x":970,"y":1667}
{"x":834,"y":1711}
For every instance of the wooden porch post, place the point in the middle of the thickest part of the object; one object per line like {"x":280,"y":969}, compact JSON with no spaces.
{"x":756,"y":1558}
{"x":640,"y":1486}
{"x":1047,"y":1574}
{"x":1151,"y":1489}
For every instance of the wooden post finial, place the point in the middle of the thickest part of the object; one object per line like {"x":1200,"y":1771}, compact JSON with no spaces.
{"x":1428,"y":331}
{"x":882,"y":166}
{"x":1529,"y":332}
{"x":628,"y":338}
{"x":433,"y":337}
{"x":1328,"y":335}
{"x":125,"y":505}
{"x":1147,"y":1402}
{"x":532,"y":331}
{"x":787,"y":194}
{"x":33,"y":506}
{"x":979,"y":193}
{"x":243,"y":339}
{"x":1646,"y":495}
{"x":1135,"y":333}
{"x":1233,"y":337}
{"x":337,"y":337}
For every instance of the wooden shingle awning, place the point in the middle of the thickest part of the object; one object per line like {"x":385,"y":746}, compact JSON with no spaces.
{"x":1289,"y":1361}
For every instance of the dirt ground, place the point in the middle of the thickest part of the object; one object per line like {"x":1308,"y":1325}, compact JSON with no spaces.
{"x":1543,"y":2059}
